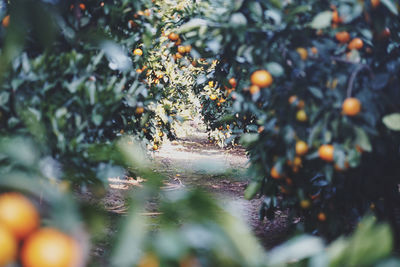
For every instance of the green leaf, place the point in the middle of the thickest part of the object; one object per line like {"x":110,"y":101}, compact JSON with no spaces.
{"x":322,"y":20}
{"x":316,"y":92}
{"x":275,"y":69}
{"x":362,"y":139}
{"x":238,"y":20}
{"x":251,"y":190}
{"x":391,"y":6}
{"x":392,"y":121}
{"x":247,"y":139}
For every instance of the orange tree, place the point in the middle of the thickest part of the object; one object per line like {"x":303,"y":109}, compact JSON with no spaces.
{"x":318,"y":83}
{"x":73,"y":77}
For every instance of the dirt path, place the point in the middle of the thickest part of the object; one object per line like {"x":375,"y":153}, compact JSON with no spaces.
{"x":192,"y":161}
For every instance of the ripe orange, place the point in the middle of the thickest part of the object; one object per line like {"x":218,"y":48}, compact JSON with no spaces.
{"x":385,"y":33}
{"x":178,"y":42}
{"x":301,"y":115}
{"x":49,"y":247}
{"x":6,"y":21}
{"x":173,"y":36}
{"x":339,"y":169}
{"x":182,"y":49}
{"x":131,"y":24}
{"x":321,"y":217}
{"x":139,"y":110}
{"x":375,"y":3}
{"x":254,"y":89}
{"x":138,"y":52}
{"x":261,"y":78}
{"x":8,"y":245}
{"x":275,"y":174}
{"x":336,"y":19}
{"x":301,"y":148}
{"x":351,"y":106}
{"x":18,"y":214}
{"x":343,"y":37}
{"x":305,"y":204}
{"x":188,"y":48}
{"x":314,"y":50}
{"x":178,"y":55}
{"x":213,"y":97}
{"x":82,"y":6}
{"x":232,"y":82}
{"x":356,"y":43}
{"x":301,"y":104}
{"x":325,"y":152}
{"x":302,"y":52}
{"x":292,"y":99}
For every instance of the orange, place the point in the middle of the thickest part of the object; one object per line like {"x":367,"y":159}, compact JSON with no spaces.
{"x":82,"y":6}
{"x":178,"y":42}
{"x":139,"y":110}
{"x":18,"y":214}
{"x":356,"y":43}
{"x":305,"y":204}
{"x":339,"y":169}
{"x":261,"y":78}
{"x":6,"y":21}
{"x":292,"y":99}
{"x":343,"y":37}
{"x":8,"y":245}
{"x":336,"y":19}
{"x":275,"y":174}
{"x":351,"y":106}
{"x":213,"y":97}
{"x":301,"y":104}
{"x":321,"y":217}
{"x":314,"y":50}
{"x":254,"y":89}
{"x":232,"y":82}
{"x":302,"y":52}
{"x":49,"y":247}
{"x":147,"y":12}
{"x":375,"y":3}
{"x":188,"y":48}
{"x":325,"y":152}
{"x":260,"y":129}
{"x":138,"y":52}
{"x":149,"y":260}
{"x":182,"y":49}
{"x":385,"y":33}
{"x":301,"y":148}
{"x":178,"y":55}
{"x":131,"y":24}
{"x":173,"y":36}
{"x":301,"y":115}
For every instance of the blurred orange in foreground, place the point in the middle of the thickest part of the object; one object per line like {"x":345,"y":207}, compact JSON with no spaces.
{"x":8,"y":246}
{"x":18,"y":214}
{"x":49,"y":247}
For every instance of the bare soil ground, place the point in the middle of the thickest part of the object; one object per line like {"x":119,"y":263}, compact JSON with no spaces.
{"x":193,"y":161}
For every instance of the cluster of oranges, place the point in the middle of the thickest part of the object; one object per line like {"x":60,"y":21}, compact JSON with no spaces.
{"x":21,"y":237}
{"x":182,"y":49}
